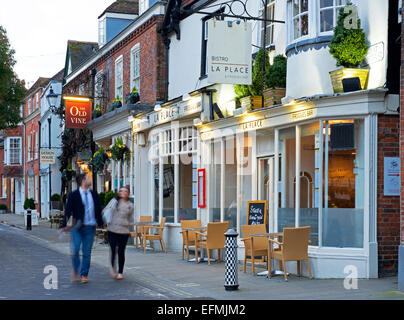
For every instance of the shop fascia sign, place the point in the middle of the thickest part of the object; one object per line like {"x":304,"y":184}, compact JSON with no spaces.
{"x":166,"y":114}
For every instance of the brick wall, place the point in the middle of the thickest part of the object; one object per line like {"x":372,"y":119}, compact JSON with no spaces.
{"x":152,"y":66}
{"x":402,"y":132}
{"x":388,"y":207}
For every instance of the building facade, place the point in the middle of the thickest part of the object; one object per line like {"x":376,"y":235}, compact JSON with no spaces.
{"x":288,"y":154}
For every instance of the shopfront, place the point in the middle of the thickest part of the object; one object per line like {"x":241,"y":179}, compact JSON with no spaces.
{"x":315,"y":162}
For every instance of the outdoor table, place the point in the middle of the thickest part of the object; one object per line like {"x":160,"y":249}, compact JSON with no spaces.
{"x":203,"y":251}
{"x":272,"y":236}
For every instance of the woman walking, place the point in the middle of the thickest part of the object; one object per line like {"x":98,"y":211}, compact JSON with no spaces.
{"x":119,"y":232}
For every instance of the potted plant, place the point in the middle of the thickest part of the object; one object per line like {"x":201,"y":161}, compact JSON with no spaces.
{"x":29,"y":204}
{"x":117,"y":103}
{"x":120,"y":151}
{"x":56,"y":201}
{"x":99,"y":160}
{"x":68,"y":173}
{"x":97,"y":112}
{"x":349,"y":48}
{"x":3,"y":208}
{"x":275,"y":81}
{"x":132,"y":97}
{"x":251,"y":96}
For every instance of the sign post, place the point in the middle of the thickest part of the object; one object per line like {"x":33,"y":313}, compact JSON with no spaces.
{"x":78,"y":112}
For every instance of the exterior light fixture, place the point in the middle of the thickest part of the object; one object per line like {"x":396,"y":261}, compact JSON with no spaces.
{"x":198,"y":122}
{"x":76,"y":98}
{"x":52,"y":98}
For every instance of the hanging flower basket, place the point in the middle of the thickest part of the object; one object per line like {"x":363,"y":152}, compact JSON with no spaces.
{"x":99,"y":160}
{"x":132,"y":97}
{"x":68,"y":173}
{"x":120,"y":151}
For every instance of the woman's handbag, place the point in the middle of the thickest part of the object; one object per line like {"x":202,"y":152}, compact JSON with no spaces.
{"x":108,"y":210}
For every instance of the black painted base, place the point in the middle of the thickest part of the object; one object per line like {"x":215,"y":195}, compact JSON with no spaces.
{"x":231,"y":288}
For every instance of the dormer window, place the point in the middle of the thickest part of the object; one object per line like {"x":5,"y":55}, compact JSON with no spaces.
{"x":102,"y":35}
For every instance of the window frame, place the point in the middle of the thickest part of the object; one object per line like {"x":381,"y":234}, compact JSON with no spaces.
{"x":291,"y":18}
{"x":270,"y":25}
{"x":135,"y":61}
{"x":120,"y":88}
{"x":9,"y":150}
{"x":335,"y":9}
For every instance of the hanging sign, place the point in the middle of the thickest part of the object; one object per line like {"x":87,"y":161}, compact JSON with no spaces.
{"x":78,"y":112}
{"x":229,"y":55}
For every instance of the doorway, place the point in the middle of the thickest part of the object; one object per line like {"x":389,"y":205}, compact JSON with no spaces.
{"x":266,"y":186}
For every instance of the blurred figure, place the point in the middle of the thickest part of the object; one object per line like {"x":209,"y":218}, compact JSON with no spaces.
{"x":119,"y":230}
{"x":84,"y":207}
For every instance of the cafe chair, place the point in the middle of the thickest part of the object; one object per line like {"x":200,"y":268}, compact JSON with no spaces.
{"x":213,"y":239}
{"x":294,"y":247}
{"x":254,"y":246}
{"x":151,"y":237}
{"x":139,"y":229}
{"x":188,"y":236}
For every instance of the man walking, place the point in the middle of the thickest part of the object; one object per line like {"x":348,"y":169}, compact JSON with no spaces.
{"x":84,"y":206}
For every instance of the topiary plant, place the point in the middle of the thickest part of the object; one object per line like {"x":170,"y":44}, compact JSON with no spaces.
{"x":275,"y":77}
{"x":348,"y":46}
{"x":256,"y":86}
{"x":55,"y":197}
{"x":29,"y":203}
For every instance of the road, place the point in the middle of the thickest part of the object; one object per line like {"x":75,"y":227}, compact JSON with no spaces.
{"x":22,"y":262}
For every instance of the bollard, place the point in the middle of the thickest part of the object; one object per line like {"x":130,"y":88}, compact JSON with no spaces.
{"x":29,"y":220}
{"x":231,"y":265}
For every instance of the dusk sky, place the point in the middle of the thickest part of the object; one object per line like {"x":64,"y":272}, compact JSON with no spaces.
{"x":38,"y":31}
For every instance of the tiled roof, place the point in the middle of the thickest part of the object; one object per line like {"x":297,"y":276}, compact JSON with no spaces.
{"x":59,"y":76}
{"x":123,"y":6}
{"x":80,"y":50}
{"x":41,"y":82}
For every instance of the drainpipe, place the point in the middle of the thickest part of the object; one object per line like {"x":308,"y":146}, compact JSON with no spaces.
{"x":93,"y":73}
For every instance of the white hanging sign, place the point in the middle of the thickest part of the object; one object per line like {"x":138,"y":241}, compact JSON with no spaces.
{"x":391,"y":176}
{"x":229,"y":53}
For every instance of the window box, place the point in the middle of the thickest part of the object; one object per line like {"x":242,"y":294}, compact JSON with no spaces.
{"x":251,"y":102}
{"x":273,"y":96}
{"x":343,"y":73}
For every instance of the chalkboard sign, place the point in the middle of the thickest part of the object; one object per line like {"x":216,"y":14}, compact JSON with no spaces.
{"x":257,"y":212}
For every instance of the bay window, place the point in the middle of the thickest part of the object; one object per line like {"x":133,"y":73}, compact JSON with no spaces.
{"x":300,"y":18}
{"x":329,"y":10}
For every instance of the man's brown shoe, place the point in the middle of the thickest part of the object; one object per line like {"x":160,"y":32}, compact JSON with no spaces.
{"x":84,"y":279}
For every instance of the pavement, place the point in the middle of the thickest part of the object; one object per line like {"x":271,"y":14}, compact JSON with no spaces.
{"x":153,"y":275}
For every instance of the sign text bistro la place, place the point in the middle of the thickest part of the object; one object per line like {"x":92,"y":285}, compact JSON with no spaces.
{"x":229,"y":52}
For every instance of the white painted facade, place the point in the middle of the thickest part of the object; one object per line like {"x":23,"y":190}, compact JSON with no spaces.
{"x":54,"y":143}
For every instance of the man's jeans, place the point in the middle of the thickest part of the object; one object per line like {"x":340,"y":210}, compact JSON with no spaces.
{"x":85,"y":236}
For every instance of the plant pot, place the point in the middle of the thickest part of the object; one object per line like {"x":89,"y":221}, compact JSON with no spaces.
{"x":132,"y":98}
{"x":274,"y":96}
{"x":251,"y":102}
{"x":343,"y":73}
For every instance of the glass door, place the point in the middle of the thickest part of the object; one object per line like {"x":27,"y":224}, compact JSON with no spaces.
{"x":266,"y":187}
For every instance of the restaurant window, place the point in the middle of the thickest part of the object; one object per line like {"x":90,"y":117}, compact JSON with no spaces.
{"x":246,"y":173}
{"x":119,"y":78}
{"x":135,"y":67}
{"x":329,"y":10}
{"x":215,"y":180}
{"x":344,"y":161}
{"x":287,"y":150}
{"x":269,"y":25}
{"x":168,"y":189}
{"x":230,"y":189}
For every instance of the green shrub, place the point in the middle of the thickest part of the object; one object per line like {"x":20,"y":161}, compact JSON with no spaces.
{"x":348,"y":46}
{"x":241,"y":91}
{"x":108,"y":197}
{"x":56,"y":197}
{"x":256,"y":86}
{"x":3,"y":206}
{"x":29,"y":203}
{"x":275,"y":77}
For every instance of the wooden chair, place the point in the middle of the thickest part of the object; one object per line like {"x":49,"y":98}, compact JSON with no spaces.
{"x":188,"y":236}
{"x":139,"y":229}
{"x":158,"y":236}
{"x":214,"y":238}
{"x":254,"y":246}
{"x":293,"y":248}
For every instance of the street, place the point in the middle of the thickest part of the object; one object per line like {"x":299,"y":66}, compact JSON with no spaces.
{"x":22,"y":263}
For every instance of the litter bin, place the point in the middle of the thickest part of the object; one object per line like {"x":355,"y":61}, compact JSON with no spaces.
{"x":29,"y":220}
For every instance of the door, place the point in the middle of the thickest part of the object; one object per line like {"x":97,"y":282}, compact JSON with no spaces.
{"x":266,"y":187}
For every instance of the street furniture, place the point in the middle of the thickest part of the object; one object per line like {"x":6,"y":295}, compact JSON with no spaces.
{"x":137,"y":234}
{"x":189,"y":235}
{"x":213,"y":239}
{"x":159,"y":236}
{"x":254,"y":246}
